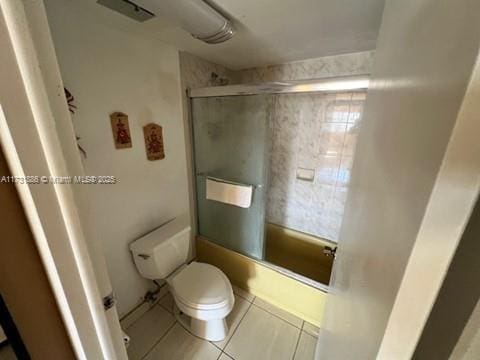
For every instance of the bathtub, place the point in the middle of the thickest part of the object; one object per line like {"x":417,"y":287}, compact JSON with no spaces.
{"x":298,"y":252}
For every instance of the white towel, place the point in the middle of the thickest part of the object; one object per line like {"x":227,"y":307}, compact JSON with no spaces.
{"x":228,"y":193}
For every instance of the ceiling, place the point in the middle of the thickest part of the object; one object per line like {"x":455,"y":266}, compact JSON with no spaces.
{"x":278,"y":31}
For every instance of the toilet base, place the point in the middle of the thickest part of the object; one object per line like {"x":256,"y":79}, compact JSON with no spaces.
{"x":211,"y":330}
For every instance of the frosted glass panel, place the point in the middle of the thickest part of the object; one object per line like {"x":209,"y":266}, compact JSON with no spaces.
{"x":230,"y":139}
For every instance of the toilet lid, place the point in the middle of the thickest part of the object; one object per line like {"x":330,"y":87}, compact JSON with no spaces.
{"x":202,"y":286}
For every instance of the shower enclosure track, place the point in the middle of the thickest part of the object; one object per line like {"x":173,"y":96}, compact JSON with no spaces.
{"x":332,"y":84}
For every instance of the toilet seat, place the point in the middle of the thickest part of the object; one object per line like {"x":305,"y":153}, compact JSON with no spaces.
{"x":203,"y":298}
{"x":202,"y":287}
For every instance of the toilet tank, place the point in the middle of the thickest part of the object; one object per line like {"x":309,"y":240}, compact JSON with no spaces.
{"x":163,"y":250}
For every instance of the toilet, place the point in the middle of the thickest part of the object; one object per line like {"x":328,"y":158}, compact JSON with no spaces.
{"x":202,"y":293}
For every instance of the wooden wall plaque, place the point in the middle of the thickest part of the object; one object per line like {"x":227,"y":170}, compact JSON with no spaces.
{"x":121,"y":130}
{"x":154,"y":142}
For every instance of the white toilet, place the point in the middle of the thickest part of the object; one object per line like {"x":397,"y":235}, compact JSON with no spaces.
{"x":201,"y":291}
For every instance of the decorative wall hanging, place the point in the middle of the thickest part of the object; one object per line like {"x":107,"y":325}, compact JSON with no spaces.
{"x":120,"y":130}
{"x":71,"y":107}
{"x":154,"y":142}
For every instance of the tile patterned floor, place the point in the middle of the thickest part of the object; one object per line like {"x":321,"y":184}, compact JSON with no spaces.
{"x":257,"y":330}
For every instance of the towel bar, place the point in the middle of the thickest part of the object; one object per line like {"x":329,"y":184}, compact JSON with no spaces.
{"x":257,"y":186}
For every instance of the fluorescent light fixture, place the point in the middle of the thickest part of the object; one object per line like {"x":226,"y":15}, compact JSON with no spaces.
{"x":194,"y":16}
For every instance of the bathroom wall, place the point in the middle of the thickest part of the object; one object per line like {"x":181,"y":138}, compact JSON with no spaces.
{"x":316,"y":133}
{"x":109,"y":64}
{"x":423,"y":65}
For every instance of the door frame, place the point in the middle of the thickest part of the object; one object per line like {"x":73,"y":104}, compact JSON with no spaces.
{"x":32,"y":113}
{"x":446,"y":216}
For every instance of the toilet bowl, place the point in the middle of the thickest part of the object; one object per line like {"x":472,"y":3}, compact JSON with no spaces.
{"x":202,"y":293}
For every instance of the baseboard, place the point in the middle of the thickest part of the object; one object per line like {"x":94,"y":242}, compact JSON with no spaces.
{"x":278,"y":289}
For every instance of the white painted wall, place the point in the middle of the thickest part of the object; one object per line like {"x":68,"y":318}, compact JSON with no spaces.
{"x":424,"y":58}
{"x":110,"y":63}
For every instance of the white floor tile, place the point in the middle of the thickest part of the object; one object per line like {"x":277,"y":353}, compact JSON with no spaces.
{"x":310,"y":329}
{"x":147,"y":331}
{"x":224,"y":357}
{"x":233,"y":319}
{"x":136,"y":314}
{"x":179,"y":344}
{"x":244,"y":294}
{"x":264,"y":336}
{"x":285,"y":315}
{"x":306,"y":347}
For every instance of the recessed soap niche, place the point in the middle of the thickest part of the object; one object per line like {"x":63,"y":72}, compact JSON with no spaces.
{"x":305,"y":174}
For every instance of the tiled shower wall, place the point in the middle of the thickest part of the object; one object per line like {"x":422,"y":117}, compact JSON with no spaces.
{"x":328,"y":66}
{"x":197,"y":72}
{"x":313,"y":140}
{"x":315,"y":133}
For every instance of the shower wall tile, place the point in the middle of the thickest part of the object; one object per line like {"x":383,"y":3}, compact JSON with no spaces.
{"x":343,"y":177}
{"x":350,"y":141}
{"x":329,"y":66}
{"x":312,"y":131}
{"x":330,"y":139}
{"x":317,"y":132}
{"x":328,"y":169}
{"x":197,"y":72}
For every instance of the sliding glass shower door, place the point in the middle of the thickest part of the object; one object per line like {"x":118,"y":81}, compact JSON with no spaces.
{"x":230,"y":146}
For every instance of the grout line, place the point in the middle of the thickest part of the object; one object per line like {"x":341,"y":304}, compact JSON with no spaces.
{"x":170,"y":311}
{"x":278,"y":317}
{"x":243,"y":297}
{"x":150,"y":307}
{"x":228,"y":356}
{"x":296,"y":345}
{"x":140,"y":305}
{"x":165,"y":308}
{"x":234,"y":331}
{"x":249,"y":304}
{"x":168,"y":292}
{"x":218,"y":347}
{"x":161,"y":338}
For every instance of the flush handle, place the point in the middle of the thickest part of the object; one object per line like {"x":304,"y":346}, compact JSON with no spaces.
{"x":144,"y":256}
